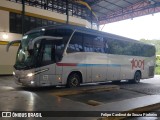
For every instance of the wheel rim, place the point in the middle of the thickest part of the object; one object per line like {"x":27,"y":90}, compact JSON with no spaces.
{"x":74,"y":81}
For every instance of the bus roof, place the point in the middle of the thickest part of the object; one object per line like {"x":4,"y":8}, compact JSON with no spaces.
{"x":89,"y":31}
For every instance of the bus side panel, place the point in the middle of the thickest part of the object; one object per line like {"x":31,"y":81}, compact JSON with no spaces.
{"x":126,"y":67}
{"x":114,"y":66}
{"x":134,"y":63}
{"x":149,"y":66}
{"x":131,"y":64}
{"x":49,"y":76}
{"x":97,"y":63}
{"x":73,"y":62}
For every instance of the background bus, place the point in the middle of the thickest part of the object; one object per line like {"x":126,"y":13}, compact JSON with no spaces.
{"x":70,"y":55}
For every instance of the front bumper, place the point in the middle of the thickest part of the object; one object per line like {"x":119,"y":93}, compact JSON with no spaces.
{"x":25,"y":81}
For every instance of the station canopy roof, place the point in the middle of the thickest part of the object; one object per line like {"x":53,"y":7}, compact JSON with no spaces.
{"x":115,"y":10}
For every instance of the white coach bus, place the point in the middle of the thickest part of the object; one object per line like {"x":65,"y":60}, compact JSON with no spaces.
{"x":70,"y":55}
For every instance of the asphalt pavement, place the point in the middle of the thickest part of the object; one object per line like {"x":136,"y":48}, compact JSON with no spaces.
{"x":106,"y":97}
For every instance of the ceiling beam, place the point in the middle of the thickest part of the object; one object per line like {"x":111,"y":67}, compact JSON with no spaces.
{"x":139,"y":10}
{"x":94,"y":2}
{"x":100,"y":12}
{"x":114,"y":4}
{"x":128,"y":2}
{"x":105,"y":8}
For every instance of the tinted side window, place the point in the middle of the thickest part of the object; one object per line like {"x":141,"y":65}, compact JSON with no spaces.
{"x":116,"y":47}
{"x":88,"y":43}
{"x":106,"y":46}
{"x":148,"y":51}
{"x":75,"y":44}
{"x":98,"y":44}
{"x":120,"y":47}
{"x":51,"y":51}
{"x":129,"y":48}
{"x":46,"y":56}
{"x":93,"y":43}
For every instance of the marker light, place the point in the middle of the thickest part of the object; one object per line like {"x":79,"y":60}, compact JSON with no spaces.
{"x":30,"y":74}
{"x":59,"y":78}
{"x":32,"y":82}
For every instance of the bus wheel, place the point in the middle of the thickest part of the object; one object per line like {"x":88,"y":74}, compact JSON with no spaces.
{"x":137,"y":77}
{"x":73,"y":80}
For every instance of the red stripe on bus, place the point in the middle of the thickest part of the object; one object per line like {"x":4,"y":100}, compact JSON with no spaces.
{"x":66,"y":64}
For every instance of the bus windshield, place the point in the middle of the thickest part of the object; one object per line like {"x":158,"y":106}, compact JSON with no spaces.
{"x":44,"y":51}
{"x":25,"y":58}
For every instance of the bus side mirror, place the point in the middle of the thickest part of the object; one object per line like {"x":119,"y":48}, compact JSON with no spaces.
{"x":11,"y":43}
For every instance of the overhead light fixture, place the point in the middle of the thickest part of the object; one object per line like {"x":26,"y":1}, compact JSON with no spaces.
{"x":5,"y":36}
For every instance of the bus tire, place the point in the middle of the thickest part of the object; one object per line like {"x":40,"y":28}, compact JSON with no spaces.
{"x":137,"y":77}
{"x":73,"y":80}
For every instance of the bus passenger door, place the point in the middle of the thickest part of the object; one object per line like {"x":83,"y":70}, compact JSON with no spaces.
{"x":48,"y":65}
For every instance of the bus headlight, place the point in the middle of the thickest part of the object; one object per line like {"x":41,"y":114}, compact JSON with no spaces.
{"x":32,"y":82}
{"x":30,"y":74}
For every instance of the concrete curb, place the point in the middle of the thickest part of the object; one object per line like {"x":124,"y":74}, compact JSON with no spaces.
{"x":93,"y":102}
{"x":85,"y":90}
{"x":145,"y":109}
